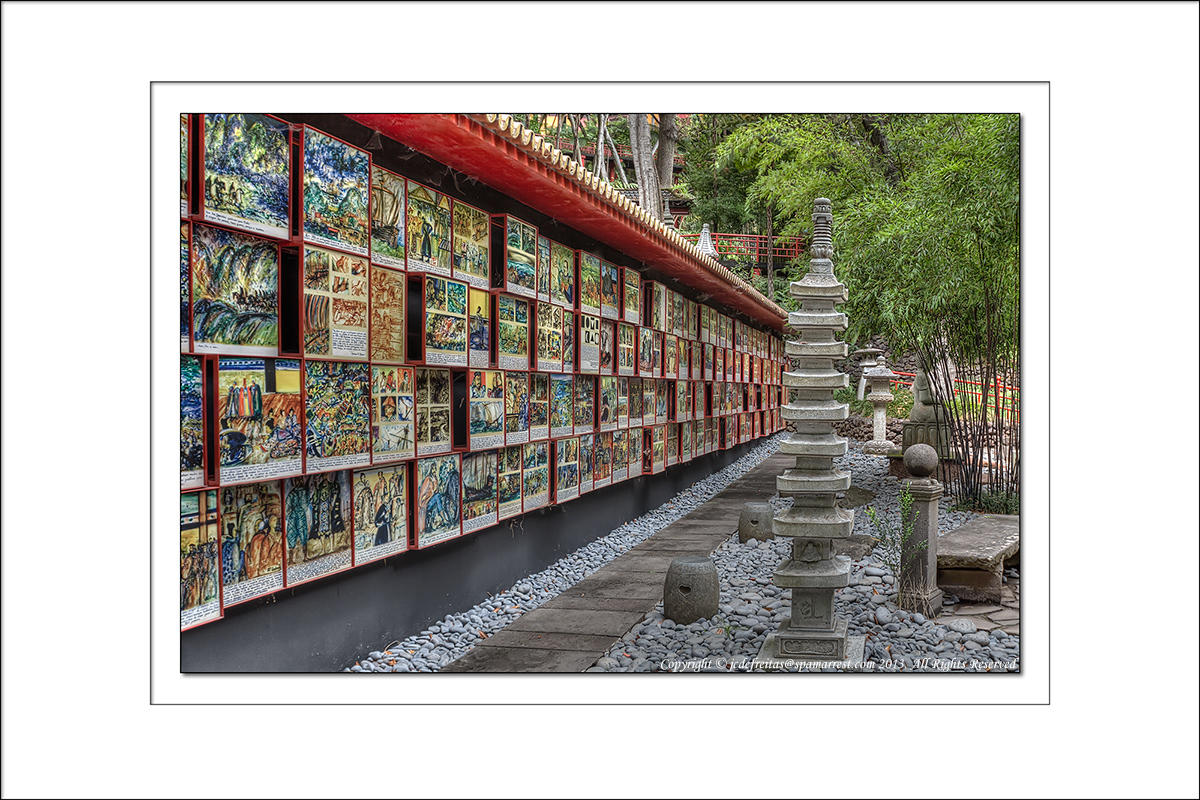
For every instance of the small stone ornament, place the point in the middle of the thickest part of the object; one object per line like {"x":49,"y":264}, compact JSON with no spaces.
{"x":691,"y":590}
{"x":756,"y":522}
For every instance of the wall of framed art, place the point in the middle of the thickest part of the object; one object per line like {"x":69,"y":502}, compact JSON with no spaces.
{"x":379,"y":357}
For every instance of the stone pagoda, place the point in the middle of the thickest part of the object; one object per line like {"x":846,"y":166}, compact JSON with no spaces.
{"x":815,"y":522}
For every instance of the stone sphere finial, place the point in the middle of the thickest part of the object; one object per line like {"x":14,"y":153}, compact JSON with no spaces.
{"x":920,"y":460}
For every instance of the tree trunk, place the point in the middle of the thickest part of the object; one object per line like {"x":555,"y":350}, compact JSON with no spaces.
{"x":558,"y":133}
{"x":616,"y":157}
{"x":601,"y":162}
{"x":575,"y":129}
{"x":770,"y":253}
{"x":649,"y":195}
{"x":668,"y":139}
{"x":876,"y":135}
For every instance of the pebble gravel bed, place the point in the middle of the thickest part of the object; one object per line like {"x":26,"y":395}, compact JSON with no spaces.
{"x":751,"y":606}
{"x":454,"y":635}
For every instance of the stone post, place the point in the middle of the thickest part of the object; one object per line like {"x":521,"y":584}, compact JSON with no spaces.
{"x":815,"y":522}
{"x":919,"y":591}
{"x":879,"y":377}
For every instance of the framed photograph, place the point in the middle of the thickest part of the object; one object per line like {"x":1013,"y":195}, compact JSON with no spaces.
{"x":610,"y":290}
{"x":317,"y":511}
{"x":337,"y":410}
{"x":246,"y":169}
{"x":608,"y":403}
{"x":380,"y":513}
{"x":512,"y":331}
{"x":520,"y":258}
{"x":235,"y":293}
{"x":471,"y":245}
{"x":335,"y":192}
{"x":485,"y":409}
{"x":335,"y":304}
{"x":387,"y":218}
{"x":633,"y":296}
{"x":258,"y":419}
{"x":562,"y":405}
{"x":386,"y":333}
{"x":516,"y":407}
{"x":539,"y":406}
{"x":199,"y":559}
{"x":562,"y":276}
{"x":535,"y":475}
{"x":549,"y":335}
{"x":589,"y":284}
{"x":437,"y":500}
{"x":480,"y":499}
{"x":585,"y":404}
{"x":509,"y":483}
{"x":251,"y":517}
{"x":433,"y":410}
{"x":428,"y":231}
{"x":445,"y":305}
{"x":589,"y":344}
{"x":191,"y":422}
{"x":566,"y":464}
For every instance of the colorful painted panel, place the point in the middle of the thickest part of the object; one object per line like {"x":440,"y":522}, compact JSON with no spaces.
{"x":608,"y":347}
{"x":566,"y":461}
{"x":562,"y":275}
{"x":512,"y":322}
{"x":235,"y":293}
{"x":535,"y":475}
{"x":509,"y":482}
{"x":428,"y":217}
{"x":388,"y":293}
{"x":657,"y":451}
{"x":620,"y":456}
{"x":543,"y":270}
{"x":335,"y":304}
{"x":649,"y":392}
{"x":251,"y":541}
{"x":480,"y":497}
{"x":387,"y":218}
{"x":380,"y":513}
{"x":633,"y":296}
{"x":635,"y":451}
{"x":516,"y":407}
{"x":589,"y":284}
{"x":438,"y":499}
{"x":635,"y":402}
{"x":185,"y":293}
{"x":622,"y":402}
{"x":337,"y":184}
{"x":610,"y":290}
{"x":317,"y":509}
{"x":549,"y":337}
{"x":258,"y":418}
{"x":520,"y":262}
{"x":191,"y":422}
{"x":445,"y":321}
{"x":608,"y":403}
{"x":672,"y":452}
{"x":585,"y":404}
{"x":645,"y":351}
{"x":199,"y":559}
{"x":337,"y":406}
{"x":247,"y":158}
{"x":485,"y":401}
{"x":626,"y":349}
{"x":562,"y":405}
{"x":661,"y":399}
{"x":539,"y":406}
{"x":658,"y":306}
{"x":472,"y":245}
{"x":393,"y":427}
{"x":185,"y":166}
{"x":569,"y":336}
{"x":479,"y":328}
{"x":589,"y":343}
{"x":587,"y":463}
{"x":670,"y":356}
{"x":433,"y":410}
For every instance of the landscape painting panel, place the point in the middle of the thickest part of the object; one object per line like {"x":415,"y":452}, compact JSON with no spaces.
{"x":247,"y":158}
{"x":235,"y":292}
{"x":387,"y":218}
{"x":471,"y":244}
{"x":337,"y":183}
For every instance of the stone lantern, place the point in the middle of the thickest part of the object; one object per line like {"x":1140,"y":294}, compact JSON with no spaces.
{"x":879,"y":379}
{"x":868,"y":358}
{"x":814,"y":523}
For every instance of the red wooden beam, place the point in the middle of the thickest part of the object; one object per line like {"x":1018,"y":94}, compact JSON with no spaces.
{"x":468,"y":145}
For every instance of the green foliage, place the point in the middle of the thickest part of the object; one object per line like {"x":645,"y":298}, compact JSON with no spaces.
{"x":719,"y":192}
{"x":893,"y":539}
{"x":899,"y":408}
{"x":926,"y":210}
{"x":993,"y":502}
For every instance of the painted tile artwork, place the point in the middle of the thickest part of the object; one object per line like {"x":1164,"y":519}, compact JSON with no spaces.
{"x":337,"y":411}
{"x":387,"y":218}
{"x":428,"y":230}
{"x":509,"y":482}
{"x":191,"y":423}
{"x":433,"y":410}
{"x":335,"y":304}
{"x":445,"y":321}
{"x":251,"y":541}
{"x":520,"y":260}
{"x":318,"y":526}
{"x":610,"y":289}
{"x":485,"y":406}
{"x":512,"y":324}
{"x":471,"y":245}
{"x":549,"y":337}
{"x":589,"y":284}
{"x":562,"y":405}
{"x":185,"y":288}
{"x":633,"y":296}
{"x":516,"y":407}
{"x":480,"y":497}
{"x":258,"y":418}
{"x":247,"y":158}
{"x":562,"y":275}
{"x":438,"y":499}
{"x":393,"y":426}
{"x":535,"y":475}
{"x":539,"y":406}
{"x":388,"y":299}
{"x":199,"y":559}
{"x":380,"y":513}
{"x":235,"y":292}
{"x":337,"y":181}
{"x":479,"y":328}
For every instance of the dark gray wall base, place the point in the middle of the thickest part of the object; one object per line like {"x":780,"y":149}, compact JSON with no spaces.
{"x":326,"y":625}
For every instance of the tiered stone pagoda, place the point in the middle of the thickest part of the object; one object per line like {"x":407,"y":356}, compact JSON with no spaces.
{"x":815,"y":522}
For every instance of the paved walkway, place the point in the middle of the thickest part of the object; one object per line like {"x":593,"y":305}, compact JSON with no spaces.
{"x":572,"y":631}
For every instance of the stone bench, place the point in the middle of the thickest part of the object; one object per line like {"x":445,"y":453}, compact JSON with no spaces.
{"x":971,"y":559}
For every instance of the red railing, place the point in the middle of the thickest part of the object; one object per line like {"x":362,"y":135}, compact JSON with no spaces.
{"x":752,"y":247}
{"x":1011,"y":394}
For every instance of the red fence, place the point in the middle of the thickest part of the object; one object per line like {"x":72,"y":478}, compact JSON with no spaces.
{"x":1006,"y":398}
{"x":752,"y":247}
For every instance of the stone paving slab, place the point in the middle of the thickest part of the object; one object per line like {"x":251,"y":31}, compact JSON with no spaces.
{"x":613,"y":583}
{"x":547,"y":641}
{"x":577,"y":620}
{"x":522,"y":659}
{"x":571,"y":599}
